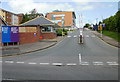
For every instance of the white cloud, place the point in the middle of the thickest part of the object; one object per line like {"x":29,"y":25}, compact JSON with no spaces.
{"x":95,"y":0}
{"x":27,"y":5}
{"x":89,"y":7}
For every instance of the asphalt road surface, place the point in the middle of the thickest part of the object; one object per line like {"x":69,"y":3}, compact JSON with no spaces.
{"x":68,"y":60}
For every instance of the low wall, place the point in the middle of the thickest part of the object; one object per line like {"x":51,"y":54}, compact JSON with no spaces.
{"x":49,"y":35}
{"x":28,"y":38}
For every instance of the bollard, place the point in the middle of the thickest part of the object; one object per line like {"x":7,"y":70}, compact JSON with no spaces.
{"x":80,"y":38}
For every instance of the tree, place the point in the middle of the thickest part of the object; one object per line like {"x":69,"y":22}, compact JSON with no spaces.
{"x":113,"y":23}
{"x":25,"y":18}
{"x":33,"y":14}
{"x":87,"y":25}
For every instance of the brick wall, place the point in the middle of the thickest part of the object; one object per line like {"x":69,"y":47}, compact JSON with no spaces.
{"x":9,"y":18}
{"x":49,"y":35}
{"x":28,"y":37}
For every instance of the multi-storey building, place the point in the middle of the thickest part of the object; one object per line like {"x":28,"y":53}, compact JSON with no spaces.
{"x":10,"y":18}
{"x":63,"y":18}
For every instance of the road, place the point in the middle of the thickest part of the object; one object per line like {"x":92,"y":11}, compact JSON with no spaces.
{"x":68,"y":60}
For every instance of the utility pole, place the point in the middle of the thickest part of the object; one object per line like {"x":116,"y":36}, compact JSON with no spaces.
{"x":101,"y":26}
{"x":96,"y":20}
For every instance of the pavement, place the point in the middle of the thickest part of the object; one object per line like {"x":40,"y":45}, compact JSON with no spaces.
{"x":67,"y":60}
{"x":107,"y":39}
{"x":28,"y":48}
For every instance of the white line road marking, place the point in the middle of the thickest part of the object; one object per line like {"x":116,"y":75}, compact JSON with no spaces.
{"x":87,"y":35}
{"x":9,"y":62}
{"x":80,"y":58}
{"x":20,"y":62}
{"x":80,"y":62}
{"x":84,"y":63}
{"x":33,"y":63}
{"x":114,"y":64}
{"x":97,"y":63}
{"x":68,"y":36}
{"x":75,"y":36}
{"x":71,"y":64}
{"x":93,"y":36}
{"x":111,"y":62}
{"x":44,"y":63}
{"x":8,"y":79}
{"x":57,"y":64}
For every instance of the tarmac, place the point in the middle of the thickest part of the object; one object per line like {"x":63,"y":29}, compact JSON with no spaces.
{"x":44,"y":44}
{"x":28,"y":48}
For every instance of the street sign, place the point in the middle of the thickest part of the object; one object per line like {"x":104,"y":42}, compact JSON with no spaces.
{"x":10,"y":34}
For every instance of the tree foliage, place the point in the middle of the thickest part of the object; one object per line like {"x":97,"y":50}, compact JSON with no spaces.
{"x":113,"y":23}
{"x":33,"y":14}
{"x":87,"y":25}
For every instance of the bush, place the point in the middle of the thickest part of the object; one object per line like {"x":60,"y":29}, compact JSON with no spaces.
{"x":59,"y":32}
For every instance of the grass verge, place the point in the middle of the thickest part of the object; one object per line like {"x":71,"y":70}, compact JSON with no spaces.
{"x":113,"y":35}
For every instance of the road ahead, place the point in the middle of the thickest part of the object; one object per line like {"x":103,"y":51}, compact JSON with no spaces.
{"x":68,"y":60}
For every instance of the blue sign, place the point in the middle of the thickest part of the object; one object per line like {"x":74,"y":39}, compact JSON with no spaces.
{"x":5,"y":34}
{"x":10,"y":34}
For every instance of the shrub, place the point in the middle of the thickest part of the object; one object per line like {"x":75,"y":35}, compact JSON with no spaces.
{"x":59,"y":32}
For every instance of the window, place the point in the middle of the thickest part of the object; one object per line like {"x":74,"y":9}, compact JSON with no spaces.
{"x":47,"y":29}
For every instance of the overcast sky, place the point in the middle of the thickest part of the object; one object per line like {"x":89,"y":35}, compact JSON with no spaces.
{"x":89,"y":9}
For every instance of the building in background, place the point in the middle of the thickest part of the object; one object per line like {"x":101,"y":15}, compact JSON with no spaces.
{"x":63,"y":18}
{"x":2,"y":23}
{"x":20,"y":17}
{"x":10,"y":18}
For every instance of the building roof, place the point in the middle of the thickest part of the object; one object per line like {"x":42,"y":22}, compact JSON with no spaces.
{"x":8,"y":11}
{"x":38,"y":21}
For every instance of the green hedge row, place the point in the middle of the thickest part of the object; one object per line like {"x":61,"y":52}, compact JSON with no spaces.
{"x":61,"y":32}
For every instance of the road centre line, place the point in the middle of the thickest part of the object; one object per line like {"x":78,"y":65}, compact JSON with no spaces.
{"x":80,"y":58}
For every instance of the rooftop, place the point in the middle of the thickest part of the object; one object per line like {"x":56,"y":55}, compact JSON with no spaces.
{"x":38,"y":21}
